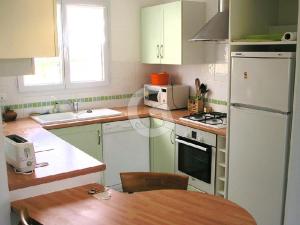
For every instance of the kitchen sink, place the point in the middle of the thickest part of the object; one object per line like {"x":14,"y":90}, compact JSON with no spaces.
{"x":71,"y":116}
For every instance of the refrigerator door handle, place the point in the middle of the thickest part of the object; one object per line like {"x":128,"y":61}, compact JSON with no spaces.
{"x":250,"y":107}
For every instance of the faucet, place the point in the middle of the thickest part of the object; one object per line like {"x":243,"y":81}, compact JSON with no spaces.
{"x":55,"y":108}
{"x":74,"y":105}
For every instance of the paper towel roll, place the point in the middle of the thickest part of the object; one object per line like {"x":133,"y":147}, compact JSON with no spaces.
{"x":290,"y":36}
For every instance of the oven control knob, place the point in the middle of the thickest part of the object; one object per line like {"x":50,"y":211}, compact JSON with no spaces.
{"x":188,"y":135}
{"x":200,"y":139}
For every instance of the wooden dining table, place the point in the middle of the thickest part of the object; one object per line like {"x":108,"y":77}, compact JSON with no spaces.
{"x":161,"y":207}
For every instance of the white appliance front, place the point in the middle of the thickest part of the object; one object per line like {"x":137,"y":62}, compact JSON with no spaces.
{"x":4,"y":192}
{"x":125,"y":149}
{"x":196,"y":157}
{"x":263,"y":82}
{"x":167,"y":97}
{"x":257,"y":163}
{"x":191,"y":157}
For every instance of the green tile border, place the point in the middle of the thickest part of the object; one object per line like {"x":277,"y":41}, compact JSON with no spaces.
{"x":213,"y":101}
{"x":65,"y":101}
{"x":95,"y":99}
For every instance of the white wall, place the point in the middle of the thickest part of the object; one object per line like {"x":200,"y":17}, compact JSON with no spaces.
{"x":127,"y":74}
{"x":4,"y":194}
{"x":214,"y":72}
{"x":292,"y":216}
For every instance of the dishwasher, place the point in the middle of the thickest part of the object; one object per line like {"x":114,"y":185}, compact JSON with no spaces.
{"x":125,"y":149}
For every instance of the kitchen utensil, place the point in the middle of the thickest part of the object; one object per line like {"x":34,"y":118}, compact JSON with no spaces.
{"x":195,"y":106}
{"x":197,"y":86}
{"x":203,"y":91}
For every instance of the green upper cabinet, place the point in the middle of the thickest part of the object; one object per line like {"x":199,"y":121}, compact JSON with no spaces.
{"x":28,"y":29}
{"x":171,"y":50}
{"x":166,"y":30}
{"x":152,"y":33}
{"x":162,"y":146}
{"x":86,"y":138}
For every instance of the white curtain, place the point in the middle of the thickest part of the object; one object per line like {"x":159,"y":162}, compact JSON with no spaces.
{"x":4,"y":193}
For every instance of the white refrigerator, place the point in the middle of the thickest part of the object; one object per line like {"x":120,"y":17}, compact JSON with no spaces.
{"x":259,"y":132}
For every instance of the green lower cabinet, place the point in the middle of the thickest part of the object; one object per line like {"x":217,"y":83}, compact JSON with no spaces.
{"x":162,"y":146}
{"x":86,"y":138}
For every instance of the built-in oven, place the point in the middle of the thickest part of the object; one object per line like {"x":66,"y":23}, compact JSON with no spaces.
{"x":196,"y":157}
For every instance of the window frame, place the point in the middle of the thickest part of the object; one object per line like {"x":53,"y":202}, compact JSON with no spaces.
{"x":40,"y":88}
{"x":66,"y":81}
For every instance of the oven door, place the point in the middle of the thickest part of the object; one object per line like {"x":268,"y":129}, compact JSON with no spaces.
{"x":196,"y":160}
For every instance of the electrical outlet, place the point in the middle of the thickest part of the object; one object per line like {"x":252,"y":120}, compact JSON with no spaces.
{"x":3,"y":97}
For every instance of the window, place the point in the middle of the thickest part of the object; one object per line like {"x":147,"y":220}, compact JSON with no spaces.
{"x":82,"y":37}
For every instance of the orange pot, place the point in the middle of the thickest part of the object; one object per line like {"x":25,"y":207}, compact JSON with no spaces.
{"x":159,"y":78}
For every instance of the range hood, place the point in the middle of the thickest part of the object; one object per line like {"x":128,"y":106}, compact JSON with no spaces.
{"x":217,"y":28}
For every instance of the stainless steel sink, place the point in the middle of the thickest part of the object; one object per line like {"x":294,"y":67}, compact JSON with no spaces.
{"x":70,"y":116}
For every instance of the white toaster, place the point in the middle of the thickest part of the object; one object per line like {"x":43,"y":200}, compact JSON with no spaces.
{"x":19,"y":153}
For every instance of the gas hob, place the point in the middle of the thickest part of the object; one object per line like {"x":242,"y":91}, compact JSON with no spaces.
{"x":213,"y":119}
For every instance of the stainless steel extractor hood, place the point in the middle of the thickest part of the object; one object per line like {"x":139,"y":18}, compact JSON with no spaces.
{"x":218,"y":27}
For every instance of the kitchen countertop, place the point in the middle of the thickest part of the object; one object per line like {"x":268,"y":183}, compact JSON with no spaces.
{"x":65,"y":161}
{"x":142,"y":112}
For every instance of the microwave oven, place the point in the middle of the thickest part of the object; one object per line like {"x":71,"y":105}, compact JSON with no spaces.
{"x":168,"y":97}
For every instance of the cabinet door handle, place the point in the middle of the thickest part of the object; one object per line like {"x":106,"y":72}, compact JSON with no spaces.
{"x":171,"y":136}
{"x":158,"y":51}
{"x":99,"y":137}
{"x":161,"y":52}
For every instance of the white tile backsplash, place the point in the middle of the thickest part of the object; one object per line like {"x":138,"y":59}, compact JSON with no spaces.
{"x":214,"y":73}
{"x":127,"y":74}
{"x":125,"y":77}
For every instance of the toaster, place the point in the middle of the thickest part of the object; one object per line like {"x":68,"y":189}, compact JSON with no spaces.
{"x":19,"y":153}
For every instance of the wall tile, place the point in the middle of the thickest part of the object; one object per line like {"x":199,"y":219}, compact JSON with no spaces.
{"x":214,"y":73}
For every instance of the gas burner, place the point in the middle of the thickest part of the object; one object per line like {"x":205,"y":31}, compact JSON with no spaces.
{"x":213,"y":119}
{"x":197,"y":117}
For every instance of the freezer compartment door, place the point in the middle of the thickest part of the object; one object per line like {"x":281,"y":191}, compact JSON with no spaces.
{"x":263,"y":82}
{"x":257,"y":163}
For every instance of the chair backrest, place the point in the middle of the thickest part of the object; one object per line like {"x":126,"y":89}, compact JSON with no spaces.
{"x":24,"y":217}
{"x":146,"y":181}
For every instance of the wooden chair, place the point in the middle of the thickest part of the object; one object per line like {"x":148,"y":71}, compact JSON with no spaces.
{"x":146,"y":181}
{"x":25,"y":218}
